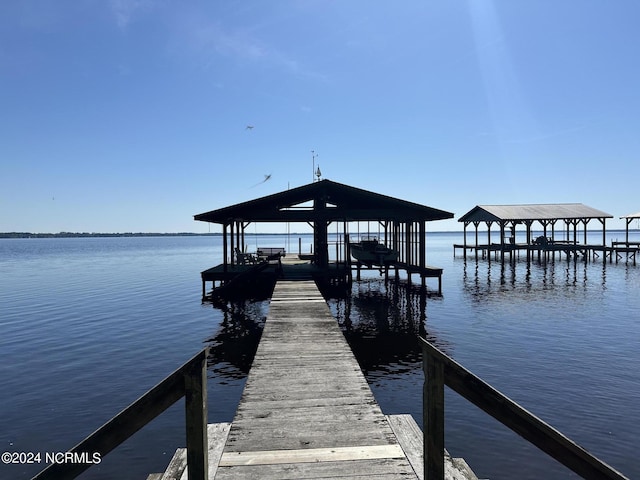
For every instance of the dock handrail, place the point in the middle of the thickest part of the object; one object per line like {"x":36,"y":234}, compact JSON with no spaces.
{"x":440,"y":370}
{"x":189,"y":381}
{"x":219,"y":292}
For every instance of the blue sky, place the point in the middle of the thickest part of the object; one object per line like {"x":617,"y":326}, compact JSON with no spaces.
{"x":131,"y":115}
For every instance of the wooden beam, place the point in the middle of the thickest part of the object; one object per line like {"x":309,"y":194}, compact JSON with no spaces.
{"x":195,"y":388}
{"x":433,"y":416}
{"x":225,"y":251}
{"x":127,"y":422}
{"x":306,"y":455}
{"x":521,"y":421}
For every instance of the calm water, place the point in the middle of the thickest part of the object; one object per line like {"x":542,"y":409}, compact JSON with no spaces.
{"x":89,"y":325}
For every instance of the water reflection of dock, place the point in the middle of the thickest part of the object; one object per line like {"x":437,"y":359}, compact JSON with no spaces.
{"x":522,"y":278}
{"x":234,"y":345}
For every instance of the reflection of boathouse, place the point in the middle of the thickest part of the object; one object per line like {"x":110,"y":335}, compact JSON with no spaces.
{"x":328,"y":207}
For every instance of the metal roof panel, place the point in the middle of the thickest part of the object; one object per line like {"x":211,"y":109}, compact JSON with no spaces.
{"x":532,"y":212}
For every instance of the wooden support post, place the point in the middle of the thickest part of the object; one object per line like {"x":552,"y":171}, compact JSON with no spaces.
{"x":433,"y":416}
{"x":476,"y":224}
{"x":553,"y":233}
{"x":195,"y":395}
{"x":224,"y":249}
{"x":502,"y":241}
{"x":407,"y":239}
{"x":233,"y":245}
{"x":422,"y":245}
{"x":488,"y":241}
{"x":244,"y":245}
{"x":528,"y":241}
{"x":464,"y":243}
{"x":626,"y":235}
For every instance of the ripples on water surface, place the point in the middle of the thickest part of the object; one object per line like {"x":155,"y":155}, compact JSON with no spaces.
{"x":88,"y":325}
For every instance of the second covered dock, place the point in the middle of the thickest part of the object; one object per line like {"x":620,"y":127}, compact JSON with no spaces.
{"x":573,"y":217}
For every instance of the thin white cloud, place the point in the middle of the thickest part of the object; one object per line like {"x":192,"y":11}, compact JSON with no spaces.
{"x":232,"y":43}
{"x":125,"y":10}
{"x":208,"y":39}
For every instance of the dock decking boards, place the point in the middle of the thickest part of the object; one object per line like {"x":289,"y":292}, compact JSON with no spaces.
{"x":306,"y":410}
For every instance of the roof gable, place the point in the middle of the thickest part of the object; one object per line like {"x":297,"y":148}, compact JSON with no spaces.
{"x":330,"y":201}
{"x":632,"y":215}
{"x":532,"y":212}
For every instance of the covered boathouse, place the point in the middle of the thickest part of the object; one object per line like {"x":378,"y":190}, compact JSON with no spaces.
{"x":573,"y":217}
{"x":401,"y":226}
{"x":628,"y":219}
{"x":626,"y":247}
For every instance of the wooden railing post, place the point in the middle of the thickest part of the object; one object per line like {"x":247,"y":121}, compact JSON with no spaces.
{"x":441,"y":369}
{"x":190,"y":380}
{"x":433,"y":416}
{"x":195,"y":395}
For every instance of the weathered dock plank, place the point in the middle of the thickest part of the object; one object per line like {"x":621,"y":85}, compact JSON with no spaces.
{"x":411,"y":439}
{"x":306,"y":455}
{"x":177,"y":469}
{"x":307,"y":410}
{"x":177,"y":465}
{"x":382,"y":469}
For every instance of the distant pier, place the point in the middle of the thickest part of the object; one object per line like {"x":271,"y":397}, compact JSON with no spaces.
{"x":546,"y":246}
{"x":618,"y":251}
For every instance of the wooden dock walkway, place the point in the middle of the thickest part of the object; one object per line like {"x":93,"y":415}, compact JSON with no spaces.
{"x":307,"y":411}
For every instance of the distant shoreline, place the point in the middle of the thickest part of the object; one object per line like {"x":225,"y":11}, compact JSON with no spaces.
{"x":89,"y":235}
{"x":191,"y":234}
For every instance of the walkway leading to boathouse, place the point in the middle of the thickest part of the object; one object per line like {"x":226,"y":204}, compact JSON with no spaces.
{"x":307,"y":412}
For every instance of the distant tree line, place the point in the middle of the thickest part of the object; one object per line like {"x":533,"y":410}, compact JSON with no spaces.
{"x":86,"y":234}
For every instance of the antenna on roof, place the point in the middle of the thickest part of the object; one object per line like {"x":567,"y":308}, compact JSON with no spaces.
{"x":313,"y":169}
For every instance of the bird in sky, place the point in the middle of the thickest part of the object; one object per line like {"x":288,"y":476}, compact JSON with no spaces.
{"x":249,"y":127}
{"x":266,"y":177}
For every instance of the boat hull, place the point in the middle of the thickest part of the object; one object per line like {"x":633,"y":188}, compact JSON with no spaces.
{"x":380,"y":255}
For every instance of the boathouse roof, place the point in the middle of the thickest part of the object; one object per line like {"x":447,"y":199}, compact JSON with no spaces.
{"x":633,"y":215}
{"x":532,"y":212}
{"x":324,"y":200}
